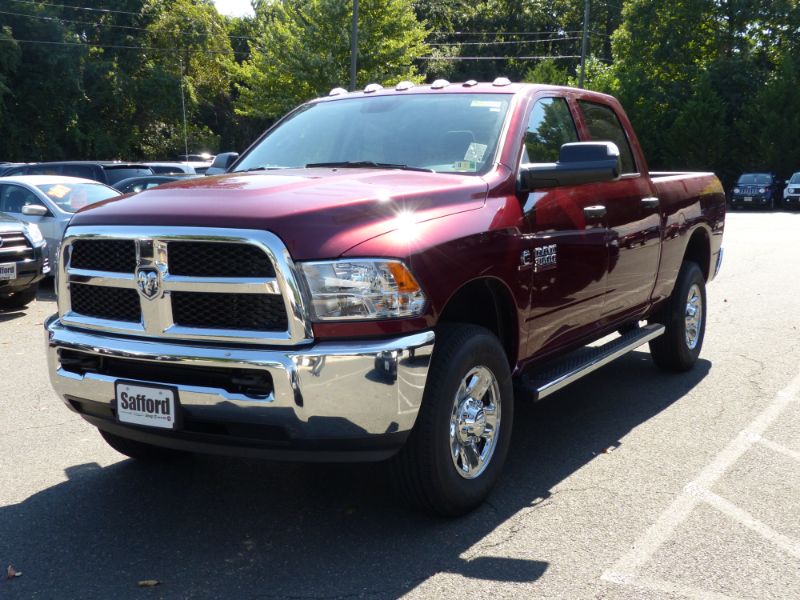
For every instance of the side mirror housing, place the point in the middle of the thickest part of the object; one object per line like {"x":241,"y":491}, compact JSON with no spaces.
{"x":35,"y":210}
{"x":578,"y":163}
{"x":222,"y":163}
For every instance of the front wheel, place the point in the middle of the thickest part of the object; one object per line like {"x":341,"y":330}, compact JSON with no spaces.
{"x":456,"y":451}
{"x":684,"y":318}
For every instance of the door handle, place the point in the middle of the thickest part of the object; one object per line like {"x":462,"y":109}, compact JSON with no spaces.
{"x":650,"y":202}
{"x":594,"y":212}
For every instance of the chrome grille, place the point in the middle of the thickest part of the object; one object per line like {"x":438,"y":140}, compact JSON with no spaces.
{"x":205,"y":284}
{"x":203,"y":259}
{"x":116,"y":256}
{"x":229,"y":311}
{"x":115,"y":304}
{"x":14,"y":246}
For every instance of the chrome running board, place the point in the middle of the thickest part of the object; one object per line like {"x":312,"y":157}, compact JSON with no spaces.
{"x":559,"y":374}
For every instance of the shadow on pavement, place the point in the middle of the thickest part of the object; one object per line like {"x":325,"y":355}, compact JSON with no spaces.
{"x":209,"y":527}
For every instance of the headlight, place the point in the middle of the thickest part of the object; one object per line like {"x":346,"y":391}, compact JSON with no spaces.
{"x":362,"y":289}
{"x":736,"y":190}
{"x":762,"y":190}
{"x":34,"y":233}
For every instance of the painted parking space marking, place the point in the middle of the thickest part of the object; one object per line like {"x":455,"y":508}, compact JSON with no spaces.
{"x":625,"y":570}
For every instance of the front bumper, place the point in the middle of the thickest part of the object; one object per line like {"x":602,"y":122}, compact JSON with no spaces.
{"x":29,"y":272}
{"x":756,"y":200}
{"x":329,"y":401}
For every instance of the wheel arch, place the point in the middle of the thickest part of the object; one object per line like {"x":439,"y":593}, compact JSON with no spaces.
{"x":489,"y":303}
{"x":698,"y":250}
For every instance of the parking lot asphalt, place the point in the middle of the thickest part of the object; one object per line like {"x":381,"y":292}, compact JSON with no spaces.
{"x":632,"y":483}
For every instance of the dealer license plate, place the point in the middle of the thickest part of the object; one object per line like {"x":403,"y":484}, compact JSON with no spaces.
{"x":149,"y":405}
{"x":748,"y":198}
{"x":8,"y":271}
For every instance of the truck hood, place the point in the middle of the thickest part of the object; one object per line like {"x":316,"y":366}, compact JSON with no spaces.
{"x":318,"y":213}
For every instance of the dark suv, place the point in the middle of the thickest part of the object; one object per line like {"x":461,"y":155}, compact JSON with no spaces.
{"x":756,"y":189}
{"x":23,"y":261}
{"x":107,"y":172}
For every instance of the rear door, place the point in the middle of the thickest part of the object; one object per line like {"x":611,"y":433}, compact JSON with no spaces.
{"x":632,"y":218}
{"x":568,"y":257}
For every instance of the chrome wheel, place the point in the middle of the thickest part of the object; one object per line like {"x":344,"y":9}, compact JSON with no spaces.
{"x":693,"y":316}
{"x":475,"y":422}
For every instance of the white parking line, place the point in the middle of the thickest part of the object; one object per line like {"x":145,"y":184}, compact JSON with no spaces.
{"x":779,"y":449}
{"x":624,"y":571}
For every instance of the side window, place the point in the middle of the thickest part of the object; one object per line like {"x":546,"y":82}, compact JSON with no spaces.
{"x":604,"y":126}
{"x":14,"y":197}
{"x":85,"y":171}
{"x":550,"y":126}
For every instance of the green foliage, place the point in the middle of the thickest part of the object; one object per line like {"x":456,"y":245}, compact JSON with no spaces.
{"x":303,"y":51}
{"x":547,"y":71}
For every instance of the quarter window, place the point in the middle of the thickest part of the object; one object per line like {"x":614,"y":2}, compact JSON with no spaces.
{"x":550,"y":126}
{"x":604,"y":126}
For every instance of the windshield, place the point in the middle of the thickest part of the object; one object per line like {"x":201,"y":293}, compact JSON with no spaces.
{"x":69,"y":197}
{"x":795,"y":178}
{"x":115,"y":174}
{"x":450,"y":133}
{"x":755,"y":179}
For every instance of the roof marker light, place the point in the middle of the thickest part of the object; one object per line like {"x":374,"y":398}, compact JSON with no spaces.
{"x":439,"y":84}
{"x":501,"y":81}
{"x":404,"y":85}
{"x":337,"y":92}
{"x":470,"y":83}
{"x":373,"y":87}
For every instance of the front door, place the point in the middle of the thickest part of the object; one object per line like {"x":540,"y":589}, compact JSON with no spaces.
{"x":566,"y":240}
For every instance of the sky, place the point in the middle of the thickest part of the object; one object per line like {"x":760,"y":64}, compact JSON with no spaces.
{"x":234,"y":8}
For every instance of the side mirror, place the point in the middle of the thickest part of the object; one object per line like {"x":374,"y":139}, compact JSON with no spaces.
{"x":35,"y":210}
{"x":222,"y":162}
{"x":578,"y":163}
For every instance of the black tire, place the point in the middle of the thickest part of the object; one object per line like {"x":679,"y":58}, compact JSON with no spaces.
{"x":424,"y":469}
{"x":672,"y":351}
{"x":19,"y":299}
{"x":140,"y":451}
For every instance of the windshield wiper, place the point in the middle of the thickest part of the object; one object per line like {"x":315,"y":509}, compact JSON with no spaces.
{"x":371,"y":164}
{"x":261,"y":169}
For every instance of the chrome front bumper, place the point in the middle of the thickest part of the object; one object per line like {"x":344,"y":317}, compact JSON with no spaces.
{"x":335,"y":396}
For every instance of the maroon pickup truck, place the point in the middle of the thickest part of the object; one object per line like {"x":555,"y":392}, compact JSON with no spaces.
{"x":379,"y":276}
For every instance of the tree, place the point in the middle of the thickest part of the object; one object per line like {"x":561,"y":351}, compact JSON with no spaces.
{"x":303,"y":51}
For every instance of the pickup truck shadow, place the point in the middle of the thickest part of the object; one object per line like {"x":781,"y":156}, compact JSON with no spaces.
{"x":209,"y":527}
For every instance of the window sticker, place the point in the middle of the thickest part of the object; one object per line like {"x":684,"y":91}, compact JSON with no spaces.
{"x":486,"y":104}
{"x":475,"y":152}
{"x":465,"y":165}
{"x":58,"y":191}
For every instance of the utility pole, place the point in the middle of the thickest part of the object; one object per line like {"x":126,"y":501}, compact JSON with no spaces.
{"x":354,"y":47}
{"x":584,"y":43}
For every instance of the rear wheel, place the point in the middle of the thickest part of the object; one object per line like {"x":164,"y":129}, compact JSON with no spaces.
{"x":19,"y":299}
{"x":456,"y":451}
{"x":685,"y":321}
{"x":138,"y":450}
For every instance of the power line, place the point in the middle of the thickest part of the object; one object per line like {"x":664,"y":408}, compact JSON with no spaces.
{"x":497,"y":57}
{"x":503,"y":43}
{"x":504,"y":33}
{"x":102,"y":10}
{"x":91,"y":24}
{"x":120,"y":47}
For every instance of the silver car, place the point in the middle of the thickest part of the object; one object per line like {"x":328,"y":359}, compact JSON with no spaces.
{"x":49,"y":201}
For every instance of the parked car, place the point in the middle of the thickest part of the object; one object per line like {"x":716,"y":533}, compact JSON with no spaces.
{"x":107,"y":172}
{"x":49,"y":202}
{"x":7,"y":166}
{"x":23,"y":261}
{"x":199,"y":162}
{"x":377,"y":275}
{"x":134,"y":185}
{"x":756,"y":190}
{"x":170,"y":168}
{"x":791,"y":194}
